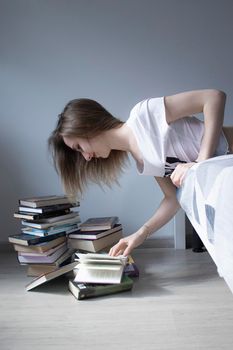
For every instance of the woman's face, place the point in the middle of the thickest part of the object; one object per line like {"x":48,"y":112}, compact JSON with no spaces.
{"x":90,"y":148}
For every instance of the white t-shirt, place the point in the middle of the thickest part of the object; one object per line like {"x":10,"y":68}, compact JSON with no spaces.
{"x":162,"y":146}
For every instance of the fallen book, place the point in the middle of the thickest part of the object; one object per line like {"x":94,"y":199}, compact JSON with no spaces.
{"x":50,"y":276}
{"x":45,"y":201}
{"x":25,"y":239}
{"x":99,"y":268}
{"x":97,"y":244}
{"x":99,"y":223}
{"x":87,"y":290}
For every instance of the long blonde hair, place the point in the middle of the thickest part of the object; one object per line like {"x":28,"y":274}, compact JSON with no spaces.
{"x":84,"y":118}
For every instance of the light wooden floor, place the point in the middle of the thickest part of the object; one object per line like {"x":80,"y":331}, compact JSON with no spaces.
{"x":179,"y":302}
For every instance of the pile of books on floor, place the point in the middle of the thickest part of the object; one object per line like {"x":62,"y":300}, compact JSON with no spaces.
{"x":42,"y":243}
{"x":101,"y":274}
{"x":54,"y":242}
{"x":96,"y":272}
{"x":96,"y":234}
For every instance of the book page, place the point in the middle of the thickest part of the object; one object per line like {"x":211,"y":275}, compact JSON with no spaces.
{"x":99,"y":275}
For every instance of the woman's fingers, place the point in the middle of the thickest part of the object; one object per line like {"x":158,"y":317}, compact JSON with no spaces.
{"x":178,"y":175}
{"x":118,"y":248}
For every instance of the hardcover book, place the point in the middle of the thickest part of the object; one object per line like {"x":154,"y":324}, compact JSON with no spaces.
{"x":39,"y":247}
{"x":24,"y":258}
{"x":49,"y":231}
{"x":37,"y":216}
{"x":99,"y":268}
{"x":38,"y":269}
{"x":71,"y":220}
{"x":25,"y":239}
{"x":87,"y":290}
{"x":44,"y":201}
{"x":99,"y":223}
{"x":91,"y":235}
{"x":49,"y":209}
{"x":50,"y":276}
{"x":97,"y":244}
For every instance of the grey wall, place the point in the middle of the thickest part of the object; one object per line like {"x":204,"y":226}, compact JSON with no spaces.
{"x":117,"y":52}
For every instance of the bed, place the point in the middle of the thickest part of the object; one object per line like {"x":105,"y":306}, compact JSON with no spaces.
{"x":207,"y":199}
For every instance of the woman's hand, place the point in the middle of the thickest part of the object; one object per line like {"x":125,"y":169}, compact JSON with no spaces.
{"x":179,"y":173}
{"x":127,"y":244}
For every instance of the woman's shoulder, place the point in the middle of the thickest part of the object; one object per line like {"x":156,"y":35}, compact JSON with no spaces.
{"x":145,"y":104}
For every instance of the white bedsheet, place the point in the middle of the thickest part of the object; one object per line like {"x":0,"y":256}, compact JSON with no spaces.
{"x":207,"y":198}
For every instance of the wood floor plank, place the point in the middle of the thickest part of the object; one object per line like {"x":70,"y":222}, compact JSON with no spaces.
{"x":178,"y":302}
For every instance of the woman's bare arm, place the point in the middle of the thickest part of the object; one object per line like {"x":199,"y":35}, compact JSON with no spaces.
{"x":167,"y":209}
{"x":211,"y":103}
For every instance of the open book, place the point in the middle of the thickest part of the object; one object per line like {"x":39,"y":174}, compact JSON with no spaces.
{"x":99,"y":268}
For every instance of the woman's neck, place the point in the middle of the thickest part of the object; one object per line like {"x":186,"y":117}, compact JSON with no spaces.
{"x":123,"y":139}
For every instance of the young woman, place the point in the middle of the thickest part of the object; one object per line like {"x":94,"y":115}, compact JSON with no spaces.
{"x":89,"y":144}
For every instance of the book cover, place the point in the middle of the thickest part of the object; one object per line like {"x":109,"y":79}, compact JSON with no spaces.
{"x":99,"y":268}
{"x":39,"y":247}
{"x":40,"y":216}
{"x":46,"y":253}
{"x":87,"y":290}
{"x":91,"y":235}
{"x":67,"y":256}
{"x":49,"y":209}
{"x":72,"y":220}
{"x":25,"y":239}
{"x":131,"y":268}
{"x":24,"y":258}
{"x":99,"y":223}
{"x":97,"y":244}
{"x":45,"y":201}
{"x":50,"y":276}
{"x":48,"y":231}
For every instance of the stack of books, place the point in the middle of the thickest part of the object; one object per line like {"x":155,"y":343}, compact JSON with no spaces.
{"x":53,"y":243}
{"x":42,"y":244}
{"x":95,"y":234}
{"x":93,"y":275}
{"x":100,"y":274}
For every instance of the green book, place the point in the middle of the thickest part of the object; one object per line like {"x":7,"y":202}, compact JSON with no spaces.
{"x":88,"y":290}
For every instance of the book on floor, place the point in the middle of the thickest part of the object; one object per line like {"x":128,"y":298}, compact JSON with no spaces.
{"x":97,"y":244}
{"x":99,"y":268}
{"x":45,"y":201}
{"x":99,"y":223}
{"x":50,"y":276}
{"x":88,"y":290}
